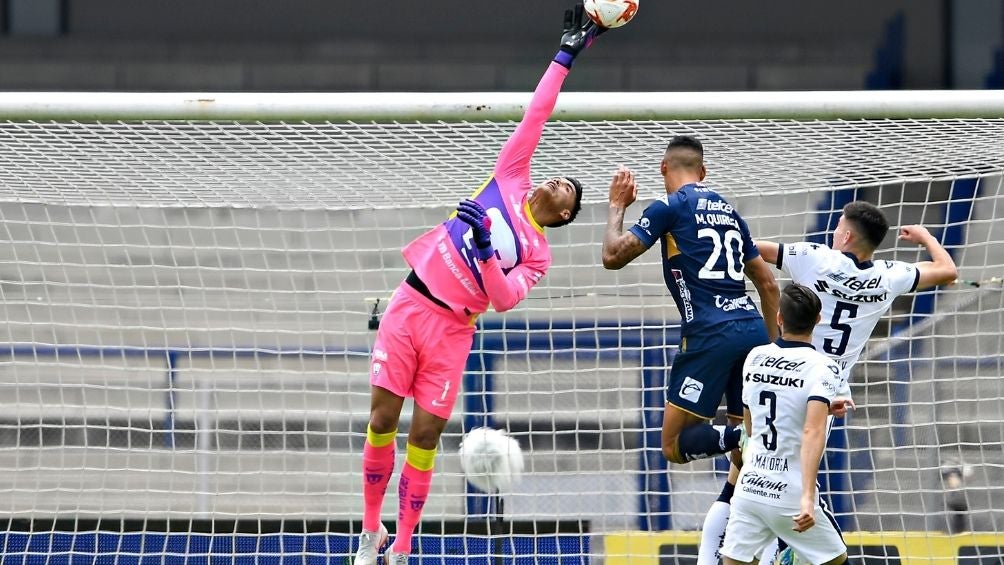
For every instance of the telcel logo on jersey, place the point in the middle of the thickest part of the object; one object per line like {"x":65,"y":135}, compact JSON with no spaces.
{"x":714,"y":205}
{"x":855,"y":283}
{"x":781,"y":363}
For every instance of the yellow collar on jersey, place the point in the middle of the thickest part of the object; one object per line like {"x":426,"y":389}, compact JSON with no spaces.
{"x":529,"y":215}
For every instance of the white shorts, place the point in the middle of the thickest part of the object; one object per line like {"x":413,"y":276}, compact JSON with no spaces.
{"x":752,"y":525}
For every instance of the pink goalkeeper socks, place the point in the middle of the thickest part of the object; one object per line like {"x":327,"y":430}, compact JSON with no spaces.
{"x":378,"y":466}
{"x":412,"y":491}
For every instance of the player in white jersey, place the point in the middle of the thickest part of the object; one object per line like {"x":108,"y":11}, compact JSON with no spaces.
{"x":855,"y":292}
{"x":854,"y":289}
{"x":787,"y":390}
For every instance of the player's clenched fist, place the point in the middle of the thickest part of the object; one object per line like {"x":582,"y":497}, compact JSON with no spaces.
{"x":840,"y":406}
{"x":807,"y":517}
{"x":914,"y":234}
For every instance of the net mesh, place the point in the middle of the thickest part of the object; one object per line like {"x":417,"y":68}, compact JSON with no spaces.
{"x":380,"y":165}
{"x":187,"y":309}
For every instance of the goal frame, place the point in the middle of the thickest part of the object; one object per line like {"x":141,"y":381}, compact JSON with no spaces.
{"x":396,"y":106}
{"x":89,"y":107}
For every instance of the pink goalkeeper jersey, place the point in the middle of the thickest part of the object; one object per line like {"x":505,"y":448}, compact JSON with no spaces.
{"x":443,"y":256}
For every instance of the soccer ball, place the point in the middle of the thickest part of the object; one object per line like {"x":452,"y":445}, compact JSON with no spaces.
{"x":492,"y":461}
{"x":610,"y":13}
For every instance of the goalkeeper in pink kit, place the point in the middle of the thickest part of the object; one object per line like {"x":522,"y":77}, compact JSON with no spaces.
{"x":491,"y":251}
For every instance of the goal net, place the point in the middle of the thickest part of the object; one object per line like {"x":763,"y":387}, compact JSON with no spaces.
{"x":187,"y":308}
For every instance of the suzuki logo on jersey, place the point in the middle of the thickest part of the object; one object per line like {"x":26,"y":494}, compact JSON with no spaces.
{"x":691,"y":390}
{"x":775,"y":380}
{"x":821,"y":286}
{"x":730,"y":304}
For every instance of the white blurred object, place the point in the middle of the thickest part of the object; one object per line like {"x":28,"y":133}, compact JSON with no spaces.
{"x":492,"y":461}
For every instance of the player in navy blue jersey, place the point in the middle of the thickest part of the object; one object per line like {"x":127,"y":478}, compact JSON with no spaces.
{"x":706,"y":251}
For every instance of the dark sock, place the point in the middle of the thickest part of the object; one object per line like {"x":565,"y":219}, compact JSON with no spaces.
{"x":700,"y":442}
{"x":731,"y":437}
{"x":727,"y":491}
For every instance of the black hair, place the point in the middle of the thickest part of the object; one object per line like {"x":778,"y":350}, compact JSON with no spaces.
{"x":576,"y":208}
{"x":799,"y":308}
{"x":686,"y":142}
{"x":868,"y":221}
{"x":692,"y":156}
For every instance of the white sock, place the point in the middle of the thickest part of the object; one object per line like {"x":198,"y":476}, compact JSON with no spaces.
{"x":769,"y":553}
{"x":713,"y":533}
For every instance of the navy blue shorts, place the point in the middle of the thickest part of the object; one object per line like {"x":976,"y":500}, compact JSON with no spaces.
{"x":710,"y":365}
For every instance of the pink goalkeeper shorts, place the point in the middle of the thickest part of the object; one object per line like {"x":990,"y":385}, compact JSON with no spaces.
{"x":420,"y":351}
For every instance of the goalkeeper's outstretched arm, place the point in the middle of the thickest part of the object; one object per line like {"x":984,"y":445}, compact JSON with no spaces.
{"x":577,"y":34}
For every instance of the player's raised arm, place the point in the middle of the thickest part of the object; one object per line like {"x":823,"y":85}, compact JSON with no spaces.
{"x":620,"y":247}
{"x":941,"y":268}
{"x":768,"y":250}
{"x":578,"y":33}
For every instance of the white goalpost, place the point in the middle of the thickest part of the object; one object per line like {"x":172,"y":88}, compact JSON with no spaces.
{"x":189,"y":280}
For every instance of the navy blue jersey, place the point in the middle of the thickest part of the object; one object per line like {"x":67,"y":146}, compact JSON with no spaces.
{"x":705,"y":245}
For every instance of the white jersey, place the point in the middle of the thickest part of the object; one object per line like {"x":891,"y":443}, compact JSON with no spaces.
{"x":854,"y":296}
{"x":779,"y":380}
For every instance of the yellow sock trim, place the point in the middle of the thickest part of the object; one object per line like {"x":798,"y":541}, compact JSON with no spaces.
{"x":379,"y":440}
{"x":421,"y":459}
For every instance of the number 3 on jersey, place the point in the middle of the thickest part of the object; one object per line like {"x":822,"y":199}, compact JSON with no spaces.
{"x":732,"y":242}
{"x":768,"y":398}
